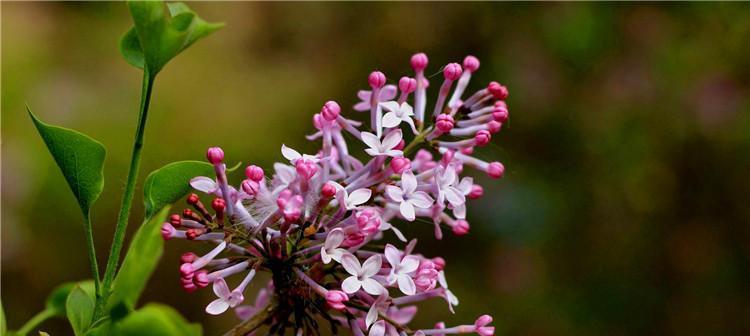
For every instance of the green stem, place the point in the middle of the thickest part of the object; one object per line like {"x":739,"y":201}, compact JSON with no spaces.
{"x":35,"y":321}
{"x":416,"y":141}
{"x":127,"y":198}
{"x":92,"y":252}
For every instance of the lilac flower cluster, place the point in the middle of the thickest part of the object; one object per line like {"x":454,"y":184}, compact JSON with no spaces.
{"x":313,"y":225}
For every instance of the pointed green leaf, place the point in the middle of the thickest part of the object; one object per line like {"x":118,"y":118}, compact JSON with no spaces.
{"x":79,"y":308}
{"x":156,"y":320}
{"x":80,"y":158}
{"x":168,"y":184}
{"x":161,"y":32}
{"x":57,"y":299}
{"x":140,"y":261}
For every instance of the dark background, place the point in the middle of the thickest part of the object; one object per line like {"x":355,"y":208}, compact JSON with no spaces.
{"x":624,"y":208}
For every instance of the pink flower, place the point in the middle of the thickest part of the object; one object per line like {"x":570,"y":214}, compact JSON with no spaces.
{"x":408,"y":196}
{"x":481,"y":326}
{"x":387,"y":93}
{"x":330,"y":250}
{"x":397,"y":114}
{"x":368,"y":221}
{"x":401,"y":268}
{"x":361,"y":275}
{"x":384,"y":148}
{"x":226,"y":298}
{"x":353,"y":200}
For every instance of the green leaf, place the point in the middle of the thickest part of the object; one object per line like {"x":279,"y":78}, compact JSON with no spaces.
{"x":168,"y":184}
{"x":79,"y":308}
{"x":161,"y":32}
{"x":56,"y":300}
{"x":80,"y":158}
{"x":156,"y":320}
{"x":143,"y":255}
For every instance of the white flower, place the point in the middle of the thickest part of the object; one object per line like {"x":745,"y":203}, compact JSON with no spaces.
{"x":351,"y":201}
{"x":330,"y":250}
{"x":361,"y":275}
{"x":408,"y":195}
{"x":386,"y":147}
{"x":398,"y":113}
{"x":226,"y":298}
{"x":449,"y":297}
{"x":465,"y":187}
{"x":401,"y":267}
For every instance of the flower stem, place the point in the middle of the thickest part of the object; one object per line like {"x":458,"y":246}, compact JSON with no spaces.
{"x":415,"y":142}
{"x":35,"y":321}
{"x":127,"y":198}
{"x":92,"y":253}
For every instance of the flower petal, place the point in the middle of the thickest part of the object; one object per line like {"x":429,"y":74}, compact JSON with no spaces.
{"x":409,"y":264}
{"x":290,"y":154}
{"x":390,"y":120}
{"x":390,"y":106}
{"x":388,"y":92}
{"x":371,"y":266}
{"x":221,"y":289}
{"x":392,"y":139}
{"x":407,"y":210}
{"x":394,"y":193}
{"x":408,"y":182}
{"x":359,"y":196}
{"x":217,"y":307}
{"x":393,"y":255}
{"x":334,"y":239}
{"x":351,"y":264}
{"x":325,"y":256}
{"x":371,"y":140}
{"x":406,"y":284}
{"x":454,"y":196}
{"x":351,"y":285}
{"x":373,"y":287}
{"x":378,"y":329}
{"x":204,"y":184}
{"x":421,"y":199}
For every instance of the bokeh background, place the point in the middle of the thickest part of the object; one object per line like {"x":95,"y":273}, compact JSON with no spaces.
{"x":624,"y":209}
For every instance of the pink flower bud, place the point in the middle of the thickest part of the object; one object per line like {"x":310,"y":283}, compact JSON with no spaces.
{"x":219,"y":204}
{"x":481,"y":326}
{"x":494,"y":126}
{"x":400,"y":164}
{"x":426,"y":279}
{"x":419,"y":61}
{"x":250,"y":187}
{"x":497,"y":90}
{"x":328,"y":190}
{"x":254,"y":173}
{"x":439,"y":263}
{"x":200,"y":279}
{"x":167,"y":231}
{"x":423,"y":155}
{"x":353,"y":239}
{"x":189,"y":287}
{"x":400,"y":146}
{"x":471,"y":63}
{"x":376,"y":79}
{"x":447,"y":157}
{"x":476,"y":191}
{"x":192,"y":199}
{"x":460,"y":227}
{"x":452,"y":71}
{"x":368,"y":221}
{"x":215,"y":155}
{"x":500,"y":114}
{"x":336,"y":299}
{"x":191,"y":234}
{"x":188,"y":257}
{"x":331,"y":109}
{"x":186,"y":269}
{"x":495,"y":170}
{"x":467,"y":150}
{"x":482,"y":138}
{"x":283,"y":198}
{"x":176,"y":220}
{"x":444,"y":123}
{"x":407,"y":85}
{"x":306,"y":168}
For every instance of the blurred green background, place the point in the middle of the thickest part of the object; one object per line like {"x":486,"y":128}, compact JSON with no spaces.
{"x":624,"y":209}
